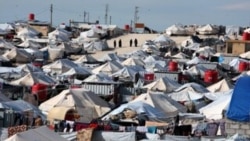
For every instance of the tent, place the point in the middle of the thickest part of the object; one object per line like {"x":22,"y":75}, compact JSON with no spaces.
{"x":108,"y":68}
{"x":29,"y":68}
{"x":18,"y":55}
{"x":30,"y":44}
{"x":176,"y":30}
{"x":60,"y":35}
{"x":214,"y":110}
{"x":26,"y":33}
{"x":86,"y":59}
{"x":133,"y":62}
{"x":99,"y":78}
{"x":195,"y":60}
{"x":245,"y":55}
{"x":113,"y":136}
{"x":239,"y":106}
{"x":87,"y":104}
{"x":77,"y":71}
{"x":163,"y":40}
{"x":163,"y":84}
{"x":207,"y":29}
{"x":205,"y":51}
{"x":60,"y":66}
{"x":5,"y":44}
{"x":196,"y":70}
{"x":42,"y":133}
{"x":162,"y":102}
{"x":111,"y":57}
{"x":125,"y":73}
{"x":220,"y":86}
{"x":32,"y":78}
{"x":96,"y":45}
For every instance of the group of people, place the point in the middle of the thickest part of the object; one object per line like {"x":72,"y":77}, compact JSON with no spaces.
{"x":130,"y":43}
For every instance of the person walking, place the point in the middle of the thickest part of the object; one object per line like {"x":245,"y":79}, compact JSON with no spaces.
{"x":120,"y":43}
{"x":130,"y":42}
{"x":114,"y":43}
{"x":136,"y":42}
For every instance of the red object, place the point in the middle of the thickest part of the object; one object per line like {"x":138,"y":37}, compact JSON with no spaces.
{"x":149,"y":76}
{"x":31,"y":17}
{"x":245,"y":36}
{"x":211,"y":76}
{"x":243,"y":66}
{"x":40,"y":90}
{"x":126,"y":27}
{"x":38,"y":64}
{"x":173,"y":66}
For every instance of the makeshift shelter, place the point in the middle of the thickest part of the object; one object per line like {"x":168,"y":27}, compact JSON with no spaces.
{"x":108,"y":68}
{"x":42,"y":133}
{"x":26,"y":33}
{"x":133,"y":62}
{"x":220,"y":86}
{"x":98,"y":78}
{"x":180,"y":55}
{"x":55,"y":53}
{"x":29,"y":68}
{"x":163,"y":84}
{"x":33,"y":78}
{"x":69,"y":49}
{"x":163,"y":40}
{"x":176,"y":30}
{"x":86,"y":59}
{"x":87,"y":104}
{"x":77,"y":71}
{"x":195,"y":61}
{"x":126,"y":73}
{"x":214,"y":110}
{"x":96,"y":45}
{"x":60,"y":35}
{"x":196,"y":70}
{"x":30,"y":44}
{"x":205,"y":51}
{"x":236,"y":111}
{"x":111,"y":57}
{"x":60,"y":66}
{"x":18,"y":55}
{"x":207,"y":29}
{"x":5,"y":45}
{"x":245,"y":55}
{"x":161,"y":101}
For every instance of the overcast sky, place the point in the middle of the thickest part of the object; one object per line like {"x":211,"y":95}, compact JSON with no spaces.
{"x":157,"y":14}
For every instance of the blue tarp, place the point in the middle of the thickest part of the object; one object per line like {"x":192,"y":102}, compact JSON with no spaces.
{"x":239,"y":107}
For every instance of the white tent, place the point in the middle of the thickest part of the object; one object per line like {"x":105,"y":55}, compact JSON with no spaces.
{"x":29,"y":68}
{"x":195,"y":61}
{"x":60,"y":35}
{"x":87,"y":104}
{"x":133,"y":62}
{"x":193,"y":46}
{"x":111,"y":57}
{"x":163,"y":84}
{"x":125,"y":73}
{"x":207,"y":29}
{"x":180,"y":55}
{"x":30,"y":44}
{"x":42,"y":133}
{"x":162,"y":102}
{"x":86,"y":59}
{"x":99,"y":78}
{"x":96,"y":45}
{"x":60,"y":66}
{"x":176,"y":30}
{"x":214,"y":109}
{"x":32,"y":78}
{"x":163,"y":40}
{"x":77,"y":71}
{"x":109,"y":68}
{"x":245,"y":55}
{"x":220,"y":86}
{"x":26,"y":33}
{"x":18,"y":55}
{"x":205,"y":51}
{"x":196,"y":70}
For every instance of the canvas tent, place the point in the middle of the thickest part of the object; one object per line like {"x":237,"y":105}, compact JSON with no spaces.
{"x":163,"y":40}
{"x":18,"y":55}
{"x":95,"y":45}
{"x":33,"y":78}
{"x":108,"y":68}
{"x":220,"y":86}
{"x":207,"y":29}
{"x":26,"y":33}
{"x":176,"y":30}
{"x":60,"y":35}
{"x":30,"y":44}
{"x":86,"y":59}
{"x":132,"y":62}
{"x":87,"y":104}
{"x":163,"y":84}
{"x":60,"y":66}
{"x":42,"y":133}
{"x":214,"y":109}
{"x":236,"y":111}
{"x":162,"y":102}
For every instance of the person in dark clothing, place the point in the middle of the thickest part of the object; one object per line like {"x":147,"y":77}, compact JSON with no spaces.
{"x":114,"y":43}
{"x":130,"y":42}
{"x":136,"y":42}
{"x":120,"y":43}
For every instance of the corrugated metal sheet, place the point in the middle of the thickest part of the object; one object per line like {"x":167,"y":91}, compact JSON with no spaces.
{"x":100,"y":89}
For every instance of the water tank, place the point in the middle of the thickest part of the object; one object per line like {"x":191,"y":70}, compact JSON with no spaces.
{"x":149,"y":76}
{"x":246,"y":36}
{"x":210,"y":76}
{"x":243,"y":66}
{"x":173,"y":66}
{"x":126,"y":27}
{"x":31,"y":17}
{"x":40,"y":90}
